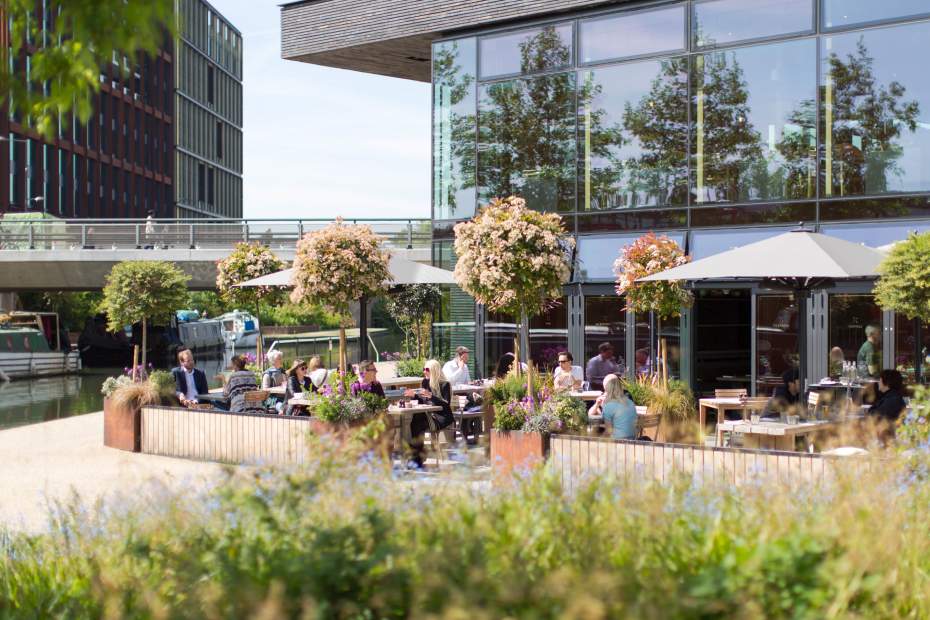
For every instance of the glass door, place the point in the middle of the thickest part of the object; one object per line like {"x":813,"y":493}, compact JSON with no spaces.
{"x":776,"y":340}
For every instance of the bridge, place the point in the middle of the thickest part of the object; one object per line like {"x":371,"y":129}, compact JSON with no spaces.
{"x":76,"y":255}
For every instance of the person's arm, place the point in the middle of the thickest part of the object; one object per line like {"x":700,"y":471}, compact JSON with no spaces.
{"x":378,"y":389}
{"x":589,"y":370}
{"x":180,"y":388}
{"x":266,"y":380}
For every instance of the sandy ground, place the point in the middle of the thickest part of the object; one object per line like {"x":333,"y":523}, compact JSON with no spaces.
{"x":46,"y":463}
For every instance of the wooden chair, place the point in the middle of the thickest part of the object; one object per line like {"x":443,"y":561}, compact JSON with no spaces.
{"x":813,"y":404}
{"x":730,"y":393}
{"x":255,"y":400}
{"x":753,"y":404}
{"x":434,"y":439}
{"x":648,"y":421}
{"x":201,"y":407}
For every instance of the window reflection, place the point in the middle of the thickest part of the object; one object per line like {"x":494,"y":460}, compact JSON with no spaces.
{"x":875,"y":235}
{"x":776,"y":340}
{"x":548,"y":337}
{"x":454,"y":100}
{"x":454,"y":323}
{"x":527,"y":141}
{"x":633,"y":122}
{"x":726,"y":21}
{"x":526,"y":51}
{"x":856,"y":330}
{"x":838,"y":13}
{"x":596,"y":255}
{"x":876,"y":96}
{"x":709,"y":242}
{"x":633,"y":34}
{"x":754,"y":114}
{"x":604,"y":321}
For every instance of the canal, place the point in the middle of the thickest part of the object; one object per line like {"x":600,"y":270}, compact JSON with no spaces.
{"x":30,"y":401}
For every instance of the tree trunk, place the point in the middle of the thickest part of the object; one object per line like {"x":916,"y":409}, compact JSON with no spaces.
{"x":342,"y":349}
{"x":259,"y":343}
{"x":144,"y":341}
{"x":524,"y":338}
{"x":659,"y":359}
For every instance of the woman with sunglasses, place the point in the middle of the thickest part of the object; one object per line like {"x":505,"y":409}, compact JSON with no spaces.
{"x":297,"y":383}
{"x":434,"y":390}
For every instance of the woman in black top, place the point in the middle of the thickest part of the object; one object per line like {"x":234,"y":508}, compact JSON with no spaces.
{"x":504,"y":365}
{"x":890,"y":402}
{"x":434,"y":390}
{"x":297,"y":383}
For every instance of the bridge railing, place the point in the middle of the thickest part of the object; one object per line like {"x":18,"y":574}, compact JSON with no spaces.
{"x":55,"y":234}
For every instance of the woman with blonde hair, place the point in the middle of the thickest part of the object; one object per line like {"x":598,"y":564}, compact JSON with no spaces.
{"x":434,"y":390}
{"x":619,"y":411}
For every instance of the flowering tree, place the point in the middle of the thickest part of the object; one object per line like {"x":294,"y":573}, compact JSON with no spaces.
{"x":337,"y":266}
{"x":646,"y":256}
{"x":247,"y":261}
{"x":142,"y":291}
{"x":513,"y":259}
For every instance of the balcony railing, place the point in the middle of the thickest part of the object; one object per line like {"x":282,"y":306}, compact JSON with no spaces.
{"x":278,"y":234}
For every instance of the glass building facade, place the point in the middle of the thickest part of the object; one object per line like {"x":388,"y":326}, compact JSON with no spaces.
{"x":716,"y":122}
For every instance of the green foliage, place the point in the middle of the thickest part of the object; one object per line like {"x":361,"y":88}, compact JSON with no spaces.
{"x":511,"y":415}
{"x":411,"y":307}
{"x":209,"y":302}
{"x":297,"y":314}
{"x":163,"y":381}
{"x":137,"y":290}
{"x":73,"y":308}
{"x":111,"y":384}
{"x":67,"y":59}
{"x":339,"y":538}
{"x":571,"y":412}
{"x":513,"y":388}
{"x":639,"y":389}
{"x":904,"y":286}
{"x":410,"y":367}
{"x":914,"y":431}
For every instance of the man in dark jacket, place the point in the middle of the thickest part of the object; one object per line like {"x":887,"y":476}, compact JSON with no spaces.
{"x":787,"y":396}
{"x":189,"y":381}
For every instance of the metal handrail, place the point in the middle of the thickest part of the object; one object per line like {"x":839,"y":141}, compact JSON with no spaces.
{"x":192,"y":233}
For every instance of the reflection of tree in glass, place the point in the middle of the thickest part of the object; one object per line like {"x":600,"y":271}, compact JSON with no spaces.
{"x":659,"y":121}
{"x":798,"y":147}
{"x":728,"y":142}
{"x":599,"y":164}
{"x":453,"y":84}
{"x":527,"y":130}
{"x":868,"y":119}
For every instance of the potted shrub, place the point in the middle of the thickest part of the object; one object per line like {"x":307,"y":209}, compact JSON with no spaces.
{"x":338,"y":414}
{"x":122,"y":411}
{"x":514,"y":444}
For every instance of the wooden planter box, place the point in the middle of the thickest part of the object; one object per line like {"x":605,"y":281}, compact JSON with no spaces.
{"x":122,"y":427}
{"x":515,"y":449}
{"x":342,"y":432}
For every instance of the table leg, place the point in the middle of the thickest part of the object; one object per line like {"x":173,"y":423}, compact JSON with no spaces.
{"x":702,"y":417}
{"x":719,"y":443}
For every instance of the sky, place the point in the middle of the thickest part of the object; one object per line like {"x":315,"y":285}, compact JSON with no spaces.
{"x":323,"y":142}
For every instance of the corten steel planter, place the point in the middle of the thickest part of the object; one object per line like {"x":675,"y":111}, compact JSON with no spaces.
{"x":344,"y":432}
{"x":517,"y":450}
{"x":122,"y":427}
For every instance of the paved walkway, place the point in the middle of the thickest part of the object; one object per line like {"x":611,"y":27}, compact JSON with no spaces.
{"x":44,"y":463}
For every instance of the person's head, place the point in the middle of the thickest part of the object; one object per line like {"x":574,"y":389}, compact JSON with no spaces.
{"x":433,"y":371}
{"x":151,"y":213}
{"x":186,"y":359}
{"x":504,"y":365}
{"x":298,"y":369}
{"x":275,"y":359}
{"x":613,"y":388}
{"x":462,"y":354}
{"x":565,"y":361}
{"x":606,"y":350}
{"x":837,"y":356}
{"x":237,"y":363}
{"x":792,"y":380}
{"x":367,"y":371}
{"x":873,"y":333}
{"x":642,"y":356}
{"x":314,"y":363}
{"x":890,"y":380}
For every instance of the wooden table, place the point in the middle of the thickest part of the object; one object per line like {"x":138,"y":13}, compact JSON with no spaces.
{"x":400,"y":418}
{"x":401,"y":382}
{"x":278,"y":390}
{"x":467,"y":388}
{"x":771,"y":435}
{"x":720,"y":405}
{"x":587,"y":396}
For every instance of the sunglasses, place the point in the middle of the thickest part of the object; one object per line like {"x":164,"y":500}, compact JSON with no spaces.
{"x":564,"y":361}
{"x":371,"y":369}
{"x":426,"y":370}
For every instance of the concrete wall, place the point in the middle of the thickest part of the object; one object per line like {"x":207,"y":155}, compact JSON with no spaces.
{"x":392,"y":37}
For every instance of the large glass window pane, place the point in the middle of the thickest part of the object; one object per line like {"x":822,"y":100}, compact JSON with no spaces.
{"x":876,"y":111}
{"x":548,"y":337}
{"x":776,"y":340}
{"x":875,"y":234}
{"x":754,"y":115}
{"x":454,"y":325}
{"x":454,"y":123}
{"x":604,"y":321}
{"x":706,"y":243}
{"x":638,"y":33}
{"x":719,"y":22}
{"x":839,"y":13}
{"x":596,"y":255}
{"x":856,"y":330}
{"x":526,"y":51}
{"x":633,"y":128}
{"x":526,"y":141}
{"x":722,"y":339}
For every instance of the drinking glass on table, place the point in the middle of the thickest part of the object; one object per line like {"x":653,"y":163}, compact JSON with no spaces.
{"x":585,"y":386}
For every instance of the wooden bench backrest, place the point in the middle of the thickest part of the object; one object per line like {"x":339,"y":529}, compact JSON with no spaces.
{"x":256,"y":396}
{"x":732,"y":393}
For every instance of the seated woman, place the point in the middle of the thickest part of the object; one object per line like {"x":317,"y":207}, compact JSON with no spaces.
{"x":238,"y":383}
{"x":434,"y":390}
{"x":368,"y":381}
{"x":786,"y":397}
{"x":619,"y":411}
{"x":890,"y":403}
{"x":274,"y":375}
{"x":297,"y":383}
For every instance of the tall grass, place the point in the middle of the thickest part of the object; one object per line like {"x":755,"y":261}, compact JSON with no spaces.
{"x":342,"y":539}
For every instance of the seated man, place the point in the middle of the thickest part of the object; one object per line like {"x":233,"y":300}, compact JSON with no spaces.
{"x":456,"y":369}
{"x":566,"y":377}
{"x":601,"y":365}
{"x":787,"y":397}
{"x":188,"y":380}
